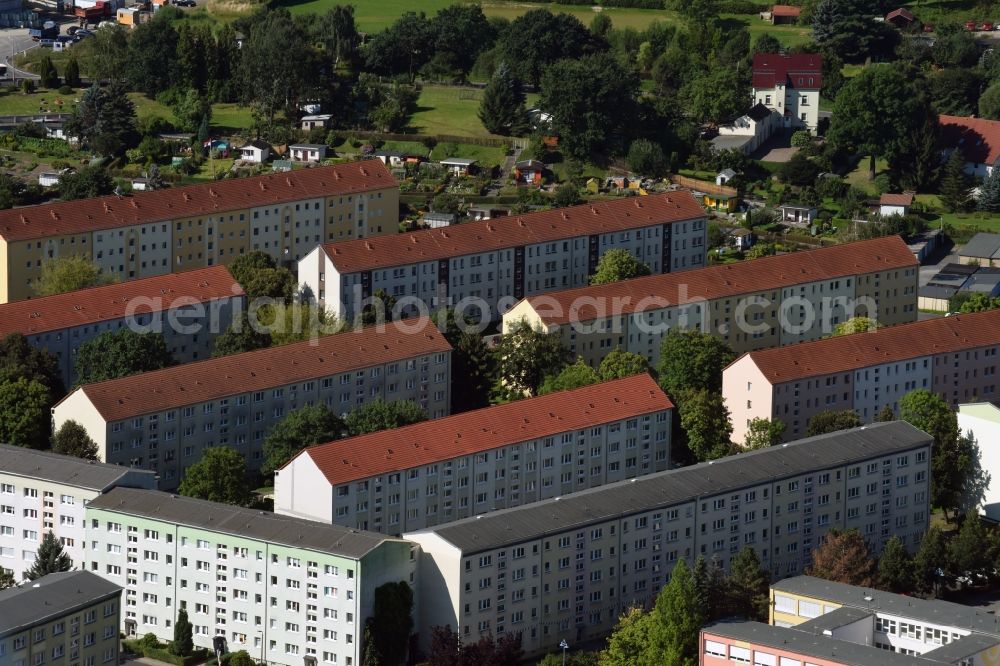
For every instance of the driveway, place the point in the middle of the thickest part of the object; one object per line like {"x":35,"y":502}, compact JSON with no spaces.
{"x":776,"y":149}
{"x":927,"y":271}
{"x":14,"y":41}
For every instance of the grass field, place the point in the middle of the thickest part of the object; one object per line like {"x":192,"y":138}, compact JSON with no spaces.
{"x":451,"y":110}
{"x":375,"y":15}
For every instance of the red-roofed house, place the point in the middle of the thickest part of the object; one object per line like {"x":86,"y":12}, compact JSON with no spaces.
{"x":895,"y":204}
{"x":977,"y":138}
{"x":955,"y":357}
{"x":163,"y":420}
{"x":200,"y":301}
{"x":782,"y":14}
{"x":902,"y":18}
{"x":789,"y":84}
{"x":494,"y":458}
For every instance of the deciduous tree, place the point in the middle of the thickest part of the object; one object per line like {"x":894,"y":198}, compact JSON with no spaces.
{"x":24,"y":413}
{"x":68,"y":274}
{"x":762,"y":433}
{"x":219,"y":476}
{"x":989,"y":102}
{"x":882,"y":113}
{"x":678,"y":619}
{"x":538,"y":38}
{"x":616,"y":265}
{"x":646,"y":158}
{"x":705,"y":421}
{"x":18,"y":359}
{"x":966,"y":550}
{"x":591,"y":100}
{"x":629,"y":643}
{"x":49,"y":558}
{"x":931,"y":557}
{"x":119,"y":353}
{"x":381,"y":414}
{"x":87,"y":183}
{"x":831,"y":421}
{"x":854,"y":325}
{"x":303,"y":427}
{"x":524,"y":357}
{"x":929,"y":412}
{"x":572,"y":376}
{"x":72,"y":440}
{"x":895,"y":567}
{"x":241,"y":336}
{"x":692,"y":360}
{"x":618,"y":364}
{"x":261,"y":277}
{"x":843,"y":556}
{"x":472,"y":364}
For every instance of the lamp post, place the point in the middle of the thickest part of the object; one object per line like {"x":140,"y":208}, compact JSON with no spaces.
{"x":868,"y":600}
{"x":565,"y":646}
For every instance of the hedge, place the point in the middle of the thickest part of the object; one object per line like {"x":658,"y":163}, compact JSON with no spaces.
{"x":199,"y":656}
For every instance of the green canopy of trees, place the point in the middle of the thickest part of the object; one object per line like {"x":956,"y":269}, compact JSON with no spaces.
{"x":120,"y":353}
{"x":616,"y":265}
{"x":219,"y":476}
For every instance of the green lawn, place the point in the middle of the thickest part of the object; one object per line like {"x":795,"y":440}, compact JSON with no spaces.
{"x":451,"y":110}
{"x":375,"y":15}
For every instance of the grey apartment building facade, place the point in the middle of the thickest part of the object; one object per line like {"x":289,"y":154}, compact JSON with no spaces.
{"x":567,"y":567}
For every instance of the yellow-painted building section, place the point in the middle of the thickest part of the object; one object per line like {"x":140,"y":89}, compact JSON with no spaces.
{"x":788,"y":619}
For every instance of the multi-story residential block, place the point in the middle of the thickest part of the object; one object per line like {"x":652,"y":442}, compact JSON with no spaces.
{"x":789,"y":84}
{"x":177,"y":229}
{"x":955,"y":357}
{"x":496,"y":262}
{"x":768,"y":302}
{"x":63,"y":618}
{"x":507,"y":455}
{"x":924,"y":630}
{"x":567,"y":567}
{"x":189,"y":309}
{"x":44,"y":492}
{"x":290,"y":591}
{"x":164,"y":420}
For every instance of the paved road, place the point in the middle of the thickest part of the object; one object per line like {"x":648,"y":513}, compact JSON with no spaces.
{"x":15,"y":41}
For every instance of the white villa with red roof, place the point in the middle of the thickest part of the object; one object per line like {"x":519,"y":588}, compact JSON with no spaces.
{"x":977,"y":138}
{"x":790,"y":85}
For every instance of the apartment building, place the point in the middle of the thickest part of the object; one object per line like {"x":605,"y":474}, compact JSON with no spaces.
{"x":768,"y":302}
{"x":288,"y":591}
{"x":955,"y":357}
{"x":567,"y":567}
{"x":163,"y":420}
{"x":63,"y":618}
{"x":496,"y":262}
{"x":189,"y":309}
{"x":921,"y":629}
{"x":41,"y":491}
{"x":790,"y":85}
{"x":172,"y":230}
{"x":502,"y":456}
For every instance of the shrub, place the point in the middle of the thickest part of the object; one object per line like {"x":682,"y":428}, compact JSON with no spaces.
{"x":65,"y":90}
{"x":148,"y":641}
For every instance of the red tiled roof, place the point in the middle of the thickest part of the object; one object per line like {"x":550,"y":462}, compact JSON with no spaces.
{"x":977,"y":138}
{"x":76,"y":217}
{"x":785,"y":10}
{"x":904,"y":199}
{"x":489,"y":428}
{"x":728,"y":280}
{"x":215,"y":378}
{"x":887,"y":345}
{"x":902,"y":12}
{"x":505,"y":232}
{"x":88,"y":306}
{"x":793,"y":70}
